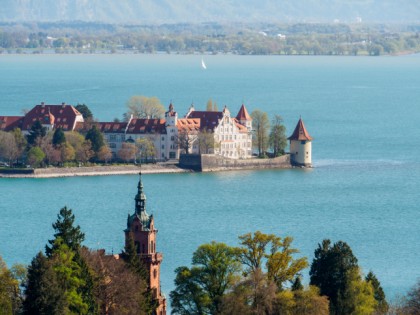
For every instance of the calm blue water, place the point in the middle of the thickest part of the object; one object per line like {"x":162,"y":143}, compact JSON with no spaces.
{"x":362,"y":112}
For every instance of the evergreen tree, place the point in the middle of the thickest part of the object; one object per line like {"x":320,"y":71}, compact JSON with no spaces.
{"x":69,"y":276}
{"x":330,"y":269}
{"x":88,"y":287}
{"x":382,"y":307}
{"x":84,"y":110}
{"x":44,"y":294}
{"x":64,"y":228}
{"x":131,"y":257}
{"x":96,"y":138}
{"x":58,"y":137}
{"x":36,"y":131}
{"x":297,"y":284}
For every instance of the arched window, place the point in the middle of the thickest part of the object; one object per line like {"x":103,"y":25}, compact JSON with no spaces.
{"x":151,"y":247}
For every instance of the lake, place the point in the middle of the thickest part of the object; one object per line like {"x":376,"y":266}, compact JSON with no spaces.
{"x":363,"y":113}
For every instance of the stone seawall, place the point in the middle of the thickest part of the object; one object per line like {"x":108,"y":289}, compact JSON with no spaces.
{"x":210,"y":162}
{"x":97,"y":171}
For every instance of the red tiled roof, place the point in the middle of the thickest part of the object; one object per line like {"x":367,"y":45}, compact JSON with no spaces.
{"x":146,"y":126}
{"x":300,"y":132}
{"x":241,"y":128}
{"x":208,"y":120}
{"x":112,"y":127}
{"x":8,"y":123}
{"x":188,"y":124}
{"x":243,"y":114}
{"x":64,"y":116}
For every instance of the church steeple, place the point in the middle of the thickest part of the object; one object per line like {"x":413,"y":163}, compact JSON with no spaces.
{"x":140,"y":198}
{"x":141,"y":229}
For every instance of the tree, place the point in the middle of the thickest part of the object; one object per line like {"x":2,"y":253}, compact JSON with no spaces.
{"x":52,"y":154}
{"x":382,"y":304}
{"x":9,"y":290}
{"x":146,"y":149}
{"x":96,"y":138}
{"x":330,"y":269}
{"x":127,"y":152}
{"x":44,"y":294}
{"x":117,"y":289}
{"x":277,"y":138}
{"x":104,"y":154}
{"x":84,"y":110}
{"x":358,"y":296}
{"x":58,"y":138}
{"x":261,"y":126}
{"x":186,"y":139}
{"x":69,"y":277}
{"x":412,"y":304}
{"x":305,"y":301}
{"x":36,"y":132}
{"x":281,"y":266}
{"x":209,"y":106}
{"x":35,"y":156}
{"x":275,"y":252}
{"x":83,"y":148}
{"x":200,"y":289}
{"x":8,"y":147}
{"x":144,"y":107}
{"x":65,"y":230}
{"x":253,"y":295}
{"x":20,"y":141}
{"x":67,"y":152}
{"x":205,"y":141}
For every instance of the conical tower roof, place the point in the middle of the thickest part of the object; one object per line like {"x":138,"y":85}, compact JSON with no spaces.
{"x":300,"y":132}
{"x":243,"y":114}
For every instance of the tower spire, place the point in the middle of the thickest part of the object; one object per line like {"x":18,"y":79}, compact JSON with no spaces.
{"x":140,"y":198}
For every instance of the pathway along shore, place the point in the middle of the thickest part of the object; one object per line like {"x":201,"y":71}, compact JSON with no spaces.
{"x":98,"y":171}
{"x":198,"y":163}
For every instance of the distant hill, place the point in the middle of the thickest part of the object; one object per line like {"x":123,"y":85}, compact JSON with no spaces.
{"x":194,"y":11}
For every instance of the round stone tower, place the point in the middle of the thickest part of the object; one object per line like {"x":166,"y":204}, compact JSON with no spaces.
{"x":300,"y":146}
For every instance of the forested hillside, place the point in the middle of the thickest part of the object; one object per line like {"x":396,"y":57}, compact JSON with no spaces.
{"x":192,"y":11}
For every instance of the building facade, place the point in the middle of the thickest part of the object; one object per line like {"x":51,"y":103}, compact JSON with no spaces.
{"x":141,"y":227}
{"x":231,"y":137}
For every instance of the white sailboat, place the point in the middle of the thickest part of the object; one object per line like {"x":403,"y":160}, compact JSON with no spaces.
{"x":203,"y":65}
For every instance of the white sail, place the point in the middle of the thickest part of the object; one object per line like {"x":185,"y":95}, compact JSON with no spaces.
{"x":203,"y":65}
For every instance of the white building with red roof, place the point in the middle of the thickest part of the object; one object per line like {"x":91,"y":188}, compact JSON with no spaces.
{"x":51,"y":117}
{"x":232,"y":135}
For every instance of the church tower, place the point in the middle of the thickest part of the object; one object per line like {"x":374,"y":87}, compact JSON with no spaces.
{"x":142,"y":227}
{"x":300,"y":146}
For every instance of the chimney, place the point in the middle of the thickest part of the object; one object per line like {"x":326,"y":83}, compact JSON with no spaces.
{"x":42,"y":104}
{"x":63,"y":104}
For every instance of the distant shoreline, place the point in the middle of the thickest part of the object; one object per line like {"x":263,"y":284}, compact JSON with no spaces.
{"x":121,"y":53}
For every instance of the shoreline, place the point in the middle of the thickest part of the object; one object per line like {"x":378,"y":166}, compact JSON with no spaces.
{"x":158,"y":168}
{"x":55,"y":172}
